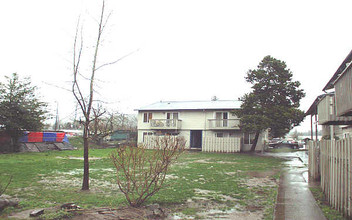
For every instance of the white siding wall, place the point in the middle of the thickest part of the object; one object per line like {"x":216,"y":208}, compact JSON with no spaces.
{"x":262,"y":139}
{"x":191,"y":120}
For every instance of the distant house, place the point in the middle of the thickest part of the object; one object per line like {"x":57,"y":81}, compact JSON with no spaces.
{"x":205,"y":125}
{"x":333,"y":109}
{"x":122,"y":135}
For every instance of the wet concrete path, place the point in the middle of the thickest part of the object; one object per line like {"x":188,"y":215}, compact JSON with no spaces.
{"x":295,"y":201}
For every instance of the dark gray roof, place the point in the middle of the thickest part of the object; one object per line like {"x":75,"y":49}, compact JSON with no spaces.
{"x":338,"y":72}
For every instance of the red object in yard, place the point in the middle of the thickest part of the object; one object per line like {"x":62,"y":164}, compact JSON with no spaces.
{"x":60,"y":137}
{"x":35,"y":137}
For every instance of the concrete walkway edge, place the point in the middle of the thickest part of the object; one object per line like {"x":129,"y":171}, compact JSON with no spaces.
{"x":294,"y":199}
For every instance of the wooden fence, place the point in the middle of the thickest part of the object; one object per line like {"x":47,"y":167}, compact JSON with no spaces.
{"x":209,"y":144}
{"x":335,"y":168}
{"x":221,"y":144}
{"x":314,"y":160}
{"x":158,"y":142}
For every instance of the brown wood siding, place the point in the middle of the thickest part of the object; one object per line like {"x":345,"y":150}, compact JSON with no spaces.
{"x":343,"y":91}
{"x":327,"y":112}
{"x":324,"y":110}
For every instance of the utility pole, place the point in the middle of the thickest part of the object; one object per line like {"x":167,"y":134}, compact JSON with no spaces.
{"x":57,"y":117}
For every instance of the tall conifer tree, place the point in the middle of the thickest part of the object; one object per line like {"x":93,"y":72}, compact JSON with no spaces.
{"x":20,"y":108}
{"x":273,"y":102}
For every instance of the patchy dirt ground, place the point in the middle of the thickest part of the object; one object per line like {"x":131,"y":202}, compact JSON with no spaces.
{"x":150,"y":212}
{"x":206,"y":204}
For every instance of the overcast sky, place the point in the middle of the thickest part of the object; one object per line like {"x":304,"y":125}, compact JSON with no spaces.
{"x":184,"y":49}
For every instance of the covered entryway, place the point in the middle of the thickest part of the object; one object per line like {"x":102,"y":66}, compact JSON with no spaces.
{"x":196,"y":139}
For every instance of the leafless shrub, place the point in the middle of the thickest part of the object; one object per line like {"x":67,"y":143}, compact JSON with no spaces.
{"x":140,"y":173}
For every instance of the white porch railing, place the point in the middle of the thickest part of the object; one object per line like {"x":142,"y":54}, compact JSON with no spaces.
{"x":158,"y":142}
{"x":165,"y":124}
{"x":224,"y":124}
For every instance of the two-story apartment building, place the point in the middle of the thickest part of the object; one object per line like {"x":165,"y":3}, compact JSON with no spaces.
{"x":196,"y":121}
{"x":334,"y":107}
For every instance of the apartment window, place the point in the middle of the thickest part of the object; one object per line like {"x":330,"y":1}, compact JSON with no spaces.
{"x":232,"y":134}
{"x":172,"y":115}
{"x":171,"y":119}
{"x":221,"y":119}
{"x":248,"y":138}
{"x":219,"y":134}
{"x":147,"y":116}
{"x":147,"y":134}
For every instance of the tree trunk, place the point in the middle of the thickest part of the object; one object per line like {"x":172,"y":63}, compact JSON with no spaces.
{"x":14,"y":141}
{"x":85,"y":184}
{"x":255,"y":141}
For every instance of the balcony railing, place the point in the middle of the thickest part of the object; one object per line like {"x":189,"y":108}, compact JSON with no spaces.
{"x":223,"y":124}
{"x":165,"y":124}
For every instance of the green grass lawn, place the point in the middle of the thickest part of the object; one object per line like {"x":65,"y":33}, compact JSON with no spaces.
{"x":196,"y":182}
{"x":328,"y":211}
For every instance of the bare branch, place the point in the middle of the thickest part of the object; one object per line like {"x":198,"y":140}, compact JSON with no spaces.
{"x":86,"y":104}
{"x":111,"y":63}
{"x":59,"y":87}
{"x":76,"y":62}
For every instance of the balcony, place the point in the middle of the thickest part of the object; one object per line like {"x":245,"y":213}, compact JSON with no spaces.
{"x":343,"y":91}
{"x":224,"y":124}
{"x":327,"y":113}
{"x":165,"y":124}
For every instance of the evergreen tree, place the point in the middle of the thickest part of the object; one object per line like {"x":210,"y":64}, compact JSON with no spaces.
{"x":20,"y":109}
{"x":274,"y":101}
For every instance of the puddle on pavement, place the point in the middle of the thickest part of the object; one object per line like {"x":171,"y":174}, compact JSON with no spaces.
{"x":295,"y":163}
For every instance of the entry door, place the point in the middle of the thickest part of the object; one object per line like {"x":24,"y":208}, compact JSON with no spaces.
{"x":196,"y":139}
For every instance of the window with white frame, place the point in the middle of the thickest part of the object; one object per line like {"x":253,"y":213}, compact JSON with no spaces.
{"x":171,"y":119}
{"x":146,"y":135}
{"x":219,"y":134}
{"x":221,"y":119}
{"x":147,"y":116}
{"x":172,"y":115}
{"x":248,"y":138}
{"x":232,"y":134}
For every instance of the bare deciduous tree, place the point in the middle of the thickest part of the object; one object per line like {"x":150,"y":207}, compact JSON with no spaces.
{"x":86,"y":101}
{"x":101,"y":125}
{"x":141,"y":173}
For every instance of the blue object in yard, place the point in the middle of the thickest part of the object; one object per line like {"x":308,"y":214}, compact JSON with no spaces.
{"x":49,"y":137}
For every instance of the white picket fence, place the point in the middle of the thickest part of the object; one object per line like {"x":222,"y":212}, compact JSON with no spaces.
{"x":210,"y":144}
{"x":335,"y":169}
{"x":154,"y":141}
{"x":314,"y":160}
{"x":221,"y":144}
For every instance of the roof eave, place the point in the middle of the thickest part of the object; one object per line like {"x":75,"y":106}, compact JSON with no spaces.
{"x":342,"y":67}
